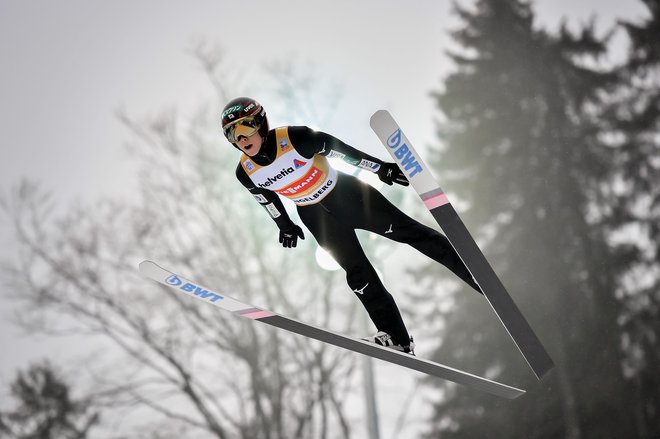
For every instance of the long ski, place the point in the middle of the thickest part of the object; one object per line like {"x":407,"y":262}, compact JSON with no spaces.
{"x":421,"y":179}
{"x":153,"y":271}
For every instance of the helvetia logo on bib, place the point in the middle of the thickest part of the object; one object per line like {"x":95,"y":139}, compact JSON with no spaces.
{"x":298,"y":164}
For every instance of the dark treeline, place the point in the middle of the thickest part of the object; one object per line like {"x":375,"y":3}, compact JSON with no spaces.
{"x":557,"y":153}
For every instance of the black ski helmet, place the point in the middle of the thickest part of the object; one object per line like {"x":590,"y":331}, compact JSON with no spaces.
{"x":241,"y":108}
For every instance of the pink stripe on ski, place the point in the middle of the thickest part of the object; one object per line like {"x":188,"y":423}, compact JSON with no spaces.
{"x":436,"y":201}
{"x":258,"y":314}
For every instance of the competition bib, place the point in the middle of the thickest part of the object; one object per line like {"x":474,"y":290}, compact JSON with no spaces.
{"x":302,"y":180}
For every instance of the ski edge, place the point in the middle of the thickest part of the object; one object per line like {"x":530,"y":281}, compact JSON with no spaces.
{"x":388,"y":131}
{"x":155,"y":272}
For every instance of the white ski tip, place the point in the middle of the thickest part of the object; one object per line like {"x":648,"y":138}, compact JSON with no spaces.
{"x":378,"y":117}
{"x":146,"y":267}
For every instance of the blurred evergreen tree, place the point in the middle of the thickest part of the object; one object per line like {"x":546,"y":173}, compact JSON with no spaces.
{"x":522,"y":148}
{"x":45,"y":408}
{"x":630,"y":129}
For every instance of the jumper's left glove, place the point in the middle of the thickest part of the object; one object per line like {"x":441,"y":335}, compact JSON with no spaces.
{"x":289,"y":237}
{"x":391,"y":173}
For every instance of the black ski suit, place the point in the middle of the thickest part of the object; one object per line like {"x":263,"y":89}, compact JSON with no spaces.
{"x":349,"y":205}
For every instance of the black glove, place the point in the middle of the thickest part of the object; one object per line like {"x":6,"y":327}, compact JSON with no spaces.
{"x":390,"y":173}
{"x":289,"y":237}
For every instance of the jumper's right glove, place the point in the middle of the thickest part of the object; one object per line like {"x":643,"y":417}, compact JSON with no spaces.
{"x":289,"y":237}
{"x":391,"y":173}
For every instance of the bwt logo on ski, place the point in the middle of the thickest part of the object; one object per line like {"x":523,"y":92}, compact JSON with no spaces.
{"x":192,"y":288}
{"x":403,"y":154}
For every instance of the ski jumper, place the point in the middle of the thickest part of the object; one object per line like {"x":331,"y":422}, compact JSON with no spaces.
{"x":293,"y":163}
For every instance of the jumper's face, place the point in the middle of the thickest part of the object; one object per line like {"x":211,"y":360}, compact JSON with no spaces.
{"x":250,"y":145}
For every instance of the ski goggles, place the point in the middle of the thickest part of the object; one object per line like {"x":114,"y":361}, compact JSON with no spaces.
{"x":246,"y":126}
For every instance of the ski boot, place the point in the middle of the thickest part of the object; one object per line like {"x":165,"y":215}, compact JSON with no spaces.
{"x":384,"y":339}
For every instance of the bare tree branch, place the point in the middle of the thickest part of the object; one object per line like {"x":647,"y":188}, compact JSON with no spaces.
{"x":75,"y":272}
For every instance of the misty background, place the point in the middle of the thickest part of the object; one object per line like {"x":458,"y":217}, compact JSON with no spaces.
{"x":546,"y":141}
